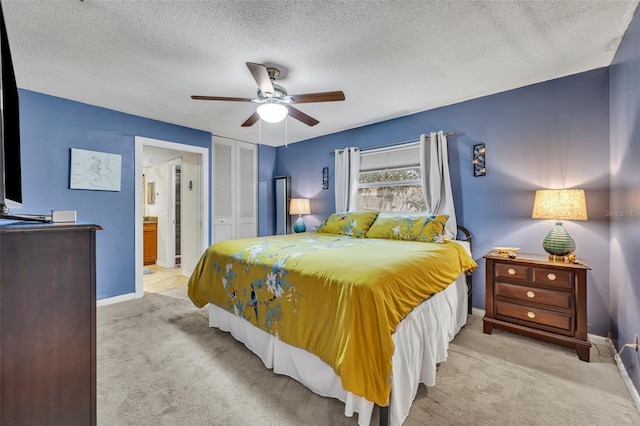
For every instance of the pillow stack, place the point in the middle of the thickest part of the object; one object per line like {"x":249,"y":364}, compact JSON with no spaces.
{"x":418,"y":227}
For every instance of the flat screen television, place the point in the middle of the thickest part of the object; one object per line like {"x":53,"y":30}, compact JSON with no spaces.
{"x":10,"y":165}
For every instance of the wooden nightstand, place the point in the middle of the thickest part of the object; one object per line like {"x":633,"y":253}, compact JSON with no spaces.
{"x":538,"y":298}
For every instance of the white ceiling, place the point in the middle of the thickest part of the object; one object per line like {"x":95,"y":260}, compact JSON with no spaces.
{"x":391,"y":58}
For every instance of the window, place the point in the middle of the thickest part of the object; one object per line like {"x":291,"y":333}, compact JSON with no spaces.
{"x":390,"y":180}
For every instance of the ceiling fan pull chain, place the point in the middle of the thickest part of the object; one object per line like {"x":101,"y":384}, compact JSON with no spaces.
{"x":286,"y":131}
{"x":260,"y":132}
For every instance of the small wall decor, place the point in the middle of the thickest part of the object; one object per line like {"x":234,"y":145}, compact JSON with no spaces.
{"x":479,"y":160}
{"x":151,"y":193}
{"x":97,"y":171}
{"x":325,"y":178}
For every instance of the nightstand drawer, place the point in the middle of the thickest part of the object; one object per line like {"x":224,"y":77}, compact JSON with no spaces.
{"x":511,"y":271}
{"x":553,"y":277}
{"x":560,"y":299}
{"x":534,"y":315}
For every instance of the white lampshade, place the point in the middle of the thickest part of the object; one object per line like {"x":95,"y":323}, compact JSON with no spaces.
{"x":299,"y":206}
{"x":272,"y":112}
{"x":560,"y":204}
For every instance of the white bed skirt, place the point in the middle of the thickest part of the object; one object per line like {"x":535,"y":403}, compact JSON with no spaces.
{"x":421,"y":341}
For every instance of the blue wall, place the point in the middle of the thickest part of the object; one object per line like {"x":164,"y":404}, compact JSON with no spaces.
{"x":625,"y":196}
{"x":50,"y":126}
{"x":549,"y":135}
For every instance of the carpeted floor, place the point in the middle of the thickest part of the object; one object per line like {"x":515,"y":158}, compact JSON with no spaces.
{"x":160,"y":364}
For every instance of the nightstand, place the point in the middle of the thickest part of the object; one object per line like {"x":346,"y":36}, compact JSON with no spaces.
{"x":535,"y":297}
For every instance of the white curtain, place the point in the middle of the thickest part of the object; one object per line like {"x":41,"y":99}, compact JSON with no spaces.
{"x":436,"y":181}
{"x":346,"y":178}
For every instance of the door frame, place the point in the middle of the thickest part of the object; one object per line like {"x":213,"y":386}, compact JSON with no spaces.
{"x":140,"y":143}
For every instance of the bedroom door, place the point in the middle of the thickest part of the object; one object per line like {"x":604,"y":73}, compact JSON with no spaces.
{"x":234,"y":198}
{"x":189,"y":208}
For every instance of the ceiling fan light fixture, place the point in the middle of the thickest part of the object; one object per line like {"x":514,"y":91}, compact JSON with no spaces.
{"x":275,"y":102}
{"x":272,"y":112}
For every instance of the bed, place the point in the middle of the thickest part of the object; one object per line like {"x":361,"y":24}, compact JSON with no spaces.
{"x":349,"y":313}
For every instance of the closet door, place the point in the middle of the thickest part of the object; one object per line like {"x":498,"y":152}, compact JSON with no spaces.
{"x":223,"y":197}
{"x":246,"y":183}
{"x":234,"y":198}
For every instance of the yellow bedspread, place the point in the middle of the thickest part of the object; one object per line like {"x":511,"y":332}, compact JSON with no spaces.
{"x":335,"y":296}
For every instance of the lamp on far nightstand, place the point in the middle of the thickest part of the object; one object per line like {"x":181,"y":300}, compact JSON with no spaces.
{"x":299,"y":206}
{"x":559,"y":204}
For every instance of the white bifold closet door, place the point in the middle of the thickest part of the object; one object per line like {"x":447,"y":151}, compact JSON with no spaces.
{"x":235,"y":207}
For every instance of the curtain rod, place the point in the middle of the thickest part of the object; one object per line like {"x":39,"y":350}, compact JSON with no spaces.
{"x":388,"y":144}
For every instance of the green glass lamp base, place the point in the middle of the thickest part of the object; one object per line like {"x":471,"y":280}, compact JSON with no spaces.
{"x":558,"y":242}
{"x":299,"y":226}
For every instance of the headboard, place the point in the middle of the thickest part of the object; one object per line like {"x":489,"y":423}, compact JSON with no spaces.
{"x":465,"y":235}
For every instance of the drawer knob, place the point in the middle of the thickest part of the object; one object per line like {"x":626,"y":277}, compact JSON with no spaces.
{"x":551,"y":277}
{"x":511,"y":271}
{"x":531,"y":315}
{"x":531,"y":294}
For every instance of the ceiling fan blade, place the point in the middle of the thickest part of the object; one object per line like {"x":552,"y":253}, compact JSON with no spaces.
{"x":219,"y":98}
{"x":319,"y":97}
{"x":301,"y":116}
{"x":261,"y":76}
{"x":251,"y":120}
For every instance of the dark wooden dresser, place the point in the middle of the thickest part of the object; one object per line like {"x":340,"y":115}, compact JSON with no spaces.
{"x":539,"y":298}
{"x":47,"y":324}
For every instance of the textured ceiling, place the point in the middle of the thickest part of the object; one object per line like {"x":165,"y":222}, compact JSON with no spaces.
{"x":391,"y":58}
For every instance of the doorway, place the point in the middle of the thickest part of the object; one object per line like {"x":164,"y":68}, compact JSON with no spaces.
{"x":186,"y":191}
{"x":162,"y":244}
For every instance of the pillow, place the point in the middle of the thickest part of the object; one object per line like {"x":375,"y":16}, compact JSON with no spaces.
{"x":433,"y":231}
{"x":354,"y":224}
{"x":397,"y":227}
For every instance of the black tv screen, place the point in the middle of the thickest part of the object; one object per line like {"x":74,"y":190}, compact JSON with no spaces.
{"x":10,"y":166}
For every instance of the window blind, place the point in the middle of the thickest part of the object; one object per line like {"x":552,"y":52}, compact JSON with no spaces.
{"x":407,"y":155}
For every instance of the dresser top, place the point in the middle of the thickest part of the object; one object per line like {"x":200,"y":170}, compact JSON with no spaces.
{"x":20,"y":226}
{"x":538,"y":259}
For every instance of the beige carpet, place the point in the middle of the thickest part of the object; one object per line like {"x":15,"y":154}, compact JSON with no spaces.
{"x":160,"y":364}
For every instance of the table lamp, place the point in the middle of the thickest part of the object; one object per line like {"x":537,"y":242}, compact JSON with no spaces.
{"x":299,"y":206}
{"x":559,"y":204}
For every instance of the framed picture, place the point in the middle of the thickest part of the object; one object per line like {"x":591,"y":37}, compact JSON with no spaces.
{"x":93,"y":170}
{"x":325,"y":178}
{"x":151,"y":193}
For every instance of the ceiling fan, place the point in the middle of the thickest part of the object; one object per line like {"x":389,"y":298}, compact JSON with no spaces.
{"x":275,"y":102}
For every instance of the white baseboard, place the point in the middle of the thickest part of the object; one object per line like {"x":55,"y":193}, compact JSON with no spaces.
{"x":163,"y":264}
{"x":116,"y":299}
{"x":476,"y":311}
{"x":623,"y":372}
